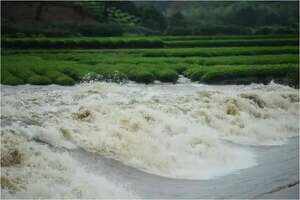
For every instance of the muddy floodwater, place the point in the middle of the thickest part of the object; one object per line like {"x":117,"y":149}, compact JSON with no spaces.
{"x":185,"y":131}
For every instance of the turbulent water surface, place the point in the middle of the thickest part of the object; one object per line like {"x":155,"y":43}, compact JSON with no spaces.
{"x":184,"y":130}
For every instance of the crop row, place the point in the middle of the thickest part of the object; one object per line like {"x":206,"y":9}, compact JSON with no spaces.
{"x":210,"y":52}
{"x":33,"y":43}
{"x":173,"y":52}
{"x":135,"y":59}
{"x":285,"y":74}
{"x":168,"y":38}
{"x":34,"y":70}
{"x":67,"y":69}
{"x":113,"y":43}
{"x":231,"y":43}
{"x":227,"y":37}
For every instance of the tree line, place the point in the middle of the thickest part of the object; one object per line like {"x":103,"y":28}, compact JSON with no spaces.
{"x":200,"y":18}
{"x":176,"y":18}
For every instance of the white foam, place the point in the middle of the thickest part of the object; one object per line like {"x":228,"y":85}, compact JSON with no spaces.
{"x":46,"y":173}
{"x":171,"y":130}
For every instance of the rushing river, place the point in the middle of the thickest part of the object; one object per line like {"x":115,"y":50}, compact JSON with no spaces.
{"x":184,"y":130}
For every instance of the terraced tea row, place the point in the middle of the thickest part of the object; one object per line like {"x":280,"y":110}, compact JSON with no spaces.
{"x":139,"y":42}
{"x":173,"y":52}
{"x":69,"y":68}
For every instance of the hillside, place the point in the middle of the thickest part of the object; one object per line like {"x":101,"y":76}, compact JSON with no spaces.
{"x":45,"y":12}
{"x":115,"y":18}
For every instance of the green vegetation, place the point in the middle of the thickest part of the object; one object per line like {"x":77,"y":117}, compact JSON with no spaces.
{"x":141,"y":76}
{"x":174,"y":52}
{"x":123,"y":59}
{"x":64,"y":80}
{"x":115,"y":18}
{"x":211,"y":42}
{"x":39,"y":80}
{"x":213,"y":52}
{"x":232,"y":43}
{"x":66,"y":67}
{"x":228,"y":37}
{"x":144,"y":59}
{"x":167,"y":75}
{"x":9,"y":79}
{"x":141,"y":42}
{"x":89,"y":43}
{"x":286,"y":74}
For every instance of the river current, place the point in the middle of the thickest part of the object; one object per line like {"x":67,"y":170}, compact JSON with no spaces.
{"x":184,"y":130}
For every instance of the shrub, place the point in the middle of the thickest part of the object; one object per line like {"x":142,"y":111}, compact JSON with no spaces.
{"x":71,"y":73}
{"x":23,"y":73}
{"x":9,"y":79}
{"x":293,"y":79}
{"x":142,"y":76}
{"x":195,"y":74}
{"x":20,"y":35}
{"x":284,"y":74}
{"x":231,"y":43}
{"x":64,"y":29}
{"x":39,"y":80}
{"x":285,"y":30}
{"x":167,"y":75}
{"x":53,"y":75}
{"x":111,"y":29}
{"x":140,"y":30}
{"x":180,"y":68}
{"x":230,"y":37}
{"x":60,"y":78}
{"x":64,"y":80}
{"x":31,"y":43}
{"x":178,"y":31}
{"x":207,"y":29}
{"x":213,"y":52}
{"x":248,"y":74}
{"x":39,"y":70}
{"x":264,"y":30}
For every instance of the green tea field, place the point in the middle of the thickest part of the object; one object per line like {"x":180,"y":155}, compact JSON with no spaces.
{"x":216,"y":60}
